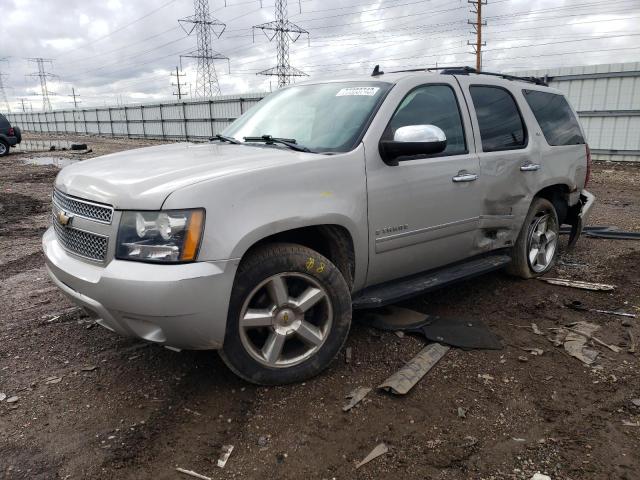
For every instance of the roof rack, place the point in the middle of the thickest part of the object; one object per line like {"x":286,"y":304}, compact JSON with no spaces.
{"x":466,"y":70}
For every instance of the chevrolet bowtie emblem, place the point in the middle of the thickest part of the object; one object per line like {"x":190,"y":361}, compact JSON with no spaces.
{"x":63,"y":218}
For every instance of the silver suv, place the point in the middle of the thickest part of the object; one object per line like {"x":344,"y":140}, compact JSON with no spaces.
{"x":325,"y":197}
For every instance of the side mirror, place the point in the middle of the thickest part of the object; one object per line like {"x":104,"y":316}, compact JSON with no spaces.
{"x":413,"y":140}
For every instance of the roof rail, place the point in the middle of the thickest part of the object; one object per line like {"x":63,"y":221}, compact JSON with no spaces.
{"x":466,"y":70}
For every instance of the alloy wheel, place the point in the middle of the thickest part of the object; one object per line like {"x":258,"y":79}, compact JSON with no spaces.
{"x":542,"y":242}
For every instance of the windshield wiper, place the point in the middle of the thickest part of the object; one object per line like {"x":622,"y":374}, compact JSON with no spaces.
{"x":269,"y":140}
{"x":224,"y":138}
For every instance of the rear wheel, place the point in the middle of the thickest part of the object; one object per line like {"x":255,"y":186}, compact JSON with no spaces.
{"x":4,"y":148}
{"x":289,"y":315}
{"x":536,"y":248}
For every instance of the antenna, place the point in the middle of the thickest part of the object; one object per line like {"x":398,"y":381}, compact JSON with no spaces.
{"x":204,"y":25}
{"x":284,"y":32}
{"x":43,"y":75}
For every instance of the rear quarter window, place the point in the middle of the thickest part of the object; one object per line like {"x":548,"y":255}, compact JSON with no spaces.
{"x":556,"y":119}
{"x":500,"y":122}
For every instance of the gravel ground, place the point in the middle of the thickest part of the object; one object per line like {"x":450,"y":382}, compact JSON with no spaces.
{"x":93,"y":405}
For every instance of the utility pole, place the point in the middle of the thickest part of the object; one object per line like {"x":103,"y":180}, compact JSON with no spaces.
{"x":43,"y":75}
{"x":204,"y":25}
{"x":74,"y":95}
{"x":477,"y":24}
{"x":284,"y":32}
{"x":3,"y":93}
{"x":24,"y":110}
{"x":177,"y":84}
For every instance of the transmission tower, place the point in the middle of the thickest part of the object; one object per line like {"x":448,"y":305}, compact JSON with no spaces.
{"x":204,"y":25}
{"x":3,"y":93}
{"x":284,"y":32}
{"x":43,"y":75}
{"x":477,"y":24}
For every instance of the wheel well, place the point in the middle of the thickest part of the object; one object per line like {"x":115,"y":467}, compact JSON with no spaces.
{"x":332,"y":241}
{"x":557,"y":194}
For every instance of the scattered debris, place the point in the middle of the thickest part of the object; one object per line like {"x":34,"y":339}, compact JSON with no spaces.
{"x":188,"y":410}
{"x":462,"y":412}
{"x":583,"y":328}
{"x":572,"y":264}
{"x":578,"y":305}
{"x":2,"y":396}
{"x":540,"y":476}
{"x":13,"y":399}
{"x":535,"y":329}
{"x":628,"y":423}
{"x":579,"y":284}
{"x":470,"y":441}
{"x":263,"y":440}
{"x":53,"y":380}
{"x":348,"y":354}
{"x":516,"y":439}
{"x":224,"y":456}
{"x":534,"y":351}
{"x":636,"y":402}
{"x":399,"y":333}
{"x":356,"y":397}
{"x":485,"y":376}
{"x":88,"y":368}
{"x":380,"y":449}
{"x":575,"y":342}
{"x":632,"y":342}
{"x":522,"y":358}
{"x":192,"y":474}
{"x":404,"y":379}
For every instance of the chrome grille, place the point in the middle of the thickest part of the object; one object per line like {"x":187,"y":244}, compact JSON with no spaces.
{"x":85,"y":244}
{"x":83,"y":208}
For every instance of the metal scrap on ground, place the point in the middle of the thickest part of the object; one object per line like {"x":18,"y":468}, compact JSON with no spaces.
{"x":578,"y":305}
{"x":578,"y":284}
{"x":575,"y":343}
{"x":404,"y":379}
{"x":379,"y":449}
{"x":355,"y":397}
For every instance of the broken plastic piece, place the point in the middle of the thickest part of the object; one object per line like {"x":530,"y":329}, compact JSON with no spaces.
{"x":356,"y":397}
{"x":578,"y":284}
{"x":224,"y":456}
{"x":192,"y":474}
{"x":379,"y":449}
{"x":404,"y":379}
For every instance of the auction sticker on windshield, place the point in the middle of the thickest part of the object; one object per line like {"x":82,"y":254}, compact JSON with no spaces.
{"x":351,"y":91}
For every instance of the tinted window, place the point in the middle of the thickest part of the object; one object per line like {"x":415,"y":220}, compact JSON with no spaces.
{"x":501,"y":126}
{"x":3,"y":121}
{"x":431,"y":105}
{"x":558,"y":123}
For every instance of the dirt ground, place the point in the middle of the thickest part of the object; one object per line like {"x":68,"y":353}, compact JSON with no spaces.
{"x":124,"y":409}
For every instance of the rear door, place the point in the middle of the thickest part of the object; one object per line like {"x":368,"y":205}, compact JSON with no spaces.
{"x":423,"y":213}
{"x":509,"y":155}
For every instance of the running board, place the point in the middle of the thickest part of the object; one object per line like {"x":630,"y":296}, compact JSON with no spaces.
{"x":403,"y":288}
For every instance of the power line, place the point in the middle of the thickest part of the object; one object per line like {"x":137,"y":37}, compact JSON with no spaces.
{"x":204,"y":25}
{"x":43,"y":75}
{"x":284,"y":31}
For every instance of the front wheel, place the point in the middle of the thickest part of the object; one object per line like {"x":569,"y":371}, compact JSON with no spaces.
{"x":289,"y":315}
{"x":535,"y":250}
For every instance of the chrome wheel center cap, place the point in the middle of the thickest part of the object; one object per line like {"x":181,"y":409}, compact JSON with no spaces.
{"x":286,"y":321}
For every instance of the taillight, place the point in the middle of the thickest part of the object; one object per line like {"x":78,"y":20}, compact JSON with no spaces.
{"x":588,"y":175}
{"x":12,"y":132}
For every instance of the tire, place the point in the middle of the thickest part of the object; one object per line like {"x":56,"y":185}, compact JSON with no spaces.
{"x":4,"y":148}
{"x":18,"y":134}
{"x":278,"y":335}
{"x":532,"y":239}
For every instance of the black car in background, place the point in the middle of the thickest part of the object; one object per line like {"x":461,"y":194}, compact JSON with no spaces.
{"x":9,"y":136}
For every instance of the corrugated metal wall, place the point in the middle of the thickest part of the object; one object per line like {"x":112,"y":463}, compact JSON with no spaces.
{"x":188,"y":120}
{"x":607,"y":99}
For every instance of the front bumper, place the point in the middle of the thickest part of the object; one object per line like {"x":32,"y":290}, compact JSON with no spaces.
{"x":579,"y":215}
{"x":182,"y":306}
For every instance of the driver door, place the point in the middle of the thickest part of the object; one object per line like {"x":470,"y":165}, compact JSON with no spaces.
{"x":423,"y":212}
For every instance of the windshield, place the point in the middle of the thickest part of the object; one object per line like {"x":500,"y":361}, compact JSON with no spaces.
{"x":328,"y":117}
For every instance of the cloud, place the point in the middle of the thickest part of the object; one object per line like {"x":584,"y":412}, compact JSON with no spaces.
{"x":125,"y":51}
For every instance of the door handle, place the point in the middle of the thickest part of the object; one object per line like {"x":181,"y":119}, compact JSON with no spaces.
{"x":465,"y":177}
{"x":530,"y":167}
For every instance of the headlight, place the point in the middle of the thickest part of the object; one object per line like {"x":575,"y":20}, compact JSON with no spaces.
{"x":168,"y":237}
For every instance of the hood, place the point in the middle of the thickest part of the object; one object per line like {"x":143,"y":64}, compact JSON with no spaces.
{"x":143,"y":178}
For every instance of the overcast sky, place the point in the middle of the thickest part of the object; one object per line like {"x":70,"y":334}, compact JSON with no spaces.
{"x":123,"y":51}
